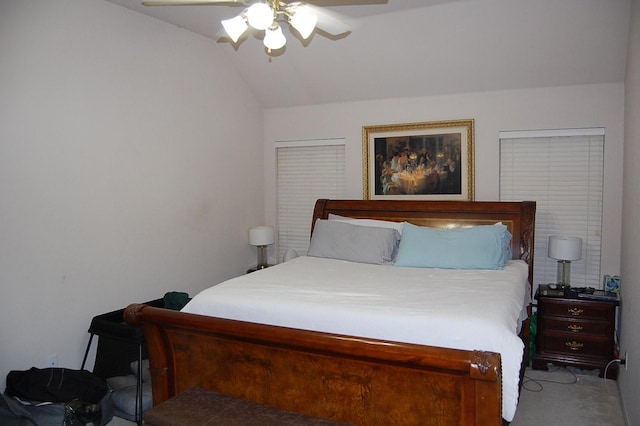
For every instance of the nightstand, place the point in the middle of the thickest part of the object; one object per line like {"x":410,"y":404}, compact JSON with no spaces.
{"x":576,"y":332}
{"x":255,"y":268}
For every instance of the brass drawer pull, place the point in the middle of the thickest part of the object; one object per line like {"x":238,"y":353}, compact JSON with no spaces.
{"x":576,"y":311}
{"x":574,"y":328}
{"x":574,"y":346}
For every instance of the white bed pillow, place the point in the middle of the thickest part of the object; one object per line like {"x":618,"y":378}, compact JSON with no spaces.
{"x":376,"y":223}
{"x":344,"y":241}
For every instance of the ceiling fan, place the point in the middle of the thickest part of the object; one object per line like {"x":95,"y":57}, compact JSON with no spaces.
{"x":265,"y":15}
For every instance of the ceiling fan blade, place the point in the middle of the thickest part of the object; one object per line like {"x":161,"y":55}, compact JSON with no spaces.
{"x":329,"y":22}
{"x":325,"y":3}
{"x":190,"y":2}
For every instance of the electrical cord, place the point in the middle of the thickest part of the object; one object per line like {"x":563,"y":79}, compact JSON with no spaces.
{"x":573,"y":379}
{"x":526,"y":383}
{"x":618,"y":360}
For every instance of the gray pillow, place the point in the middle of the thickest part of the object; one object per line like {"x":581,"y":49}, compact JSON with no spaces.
{"x":124,"y":401}
{"x":364,"y":244}
{"x":146,"y":373}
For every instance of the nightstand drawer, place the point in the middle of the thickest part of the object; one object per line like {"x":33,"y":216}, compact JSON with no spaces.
{"x":579,"y":328}
{"x":577,"y":346}
{"x":575,"y":309}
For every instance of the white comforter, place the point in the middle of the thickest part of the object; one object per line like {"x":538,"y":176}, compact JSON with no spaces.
{"x":461,"y":309}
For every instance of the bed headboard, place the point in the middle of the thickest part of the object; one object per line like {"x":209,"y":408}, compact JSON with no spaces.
{"x":519,"y":217}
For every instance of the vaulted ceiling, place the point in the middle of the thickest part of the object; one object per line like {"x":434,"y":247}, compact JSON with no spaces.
{"x":407,"y":48}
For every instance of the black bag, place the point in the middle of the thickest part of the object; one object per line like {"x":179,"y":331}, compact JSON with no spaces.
{"x":78,"y":396}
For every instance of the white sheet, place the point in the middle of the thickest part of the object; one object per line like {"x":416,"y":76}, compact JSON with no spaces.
{"x":461,"y":309}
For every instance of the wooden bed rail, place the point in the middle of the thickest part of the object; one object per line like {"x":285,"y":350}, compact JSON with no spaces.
{"x":354,"y":380}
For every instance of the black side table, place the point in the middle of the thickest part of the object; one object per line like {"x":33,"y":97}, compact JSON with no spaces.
{"x":119,"y":344}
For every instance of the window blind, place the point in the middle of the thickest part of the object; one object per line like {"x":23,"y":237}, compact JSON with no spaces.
{"x":306,"y":171}
{"x":563,"y":173}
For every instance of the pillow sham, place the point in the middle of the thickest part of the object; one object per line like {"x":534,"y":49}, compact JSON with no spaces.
{"x":377,"y":223}
{"x":478,"y":247}
{"x":364,"y":244}
{"x":506,"y":241}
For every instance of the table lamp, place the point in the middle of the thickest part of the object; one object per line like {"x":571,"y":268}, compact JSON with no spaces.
{"x":564,"y":249}
{"x":261,"y":237}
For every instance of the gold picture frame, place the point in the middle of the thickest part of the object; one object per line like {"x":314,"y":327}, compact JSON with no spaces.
{"x":421,"y":161}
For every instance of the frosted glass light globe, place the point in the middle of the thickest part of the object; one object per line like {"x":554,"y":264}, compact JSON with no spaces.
{"x":273,"y":38}
{"x":260,"y":16}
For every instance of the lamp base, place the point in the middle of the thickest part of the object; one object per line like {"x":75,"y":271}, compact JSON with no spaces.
{"x":564,"y":273}
{"x":262,"y":258}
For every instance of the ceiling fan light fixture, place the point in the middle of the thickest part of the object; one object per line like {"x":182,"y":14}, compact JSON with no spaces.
{"x":304,"y":21}
{"x":235,"y":27}
{"x":273,"y":37}
{"x":260,"y":16}
{"x":264,"y":15}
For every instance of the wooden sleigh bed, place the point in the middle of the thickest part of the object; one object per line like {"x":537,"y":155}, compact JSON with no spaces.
{"x":350,"y":379}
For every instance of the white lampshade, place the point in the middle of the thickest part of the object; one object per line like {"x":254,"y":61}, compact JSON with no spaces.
{"x":260,"y":16}
{"x":273,"y":38}
{"x":565,"y":248}
{"x":304,"y":21}
{"x":235,"y":27}
{"x":261,"y":236}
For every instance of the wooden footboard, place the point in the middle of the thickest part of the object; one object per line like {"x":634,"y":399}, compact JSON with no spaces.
{"x":353,"y":380}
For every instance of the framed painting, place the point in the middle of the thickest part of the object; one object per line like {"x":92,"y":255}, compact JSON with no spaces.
{"x":421,"y":161}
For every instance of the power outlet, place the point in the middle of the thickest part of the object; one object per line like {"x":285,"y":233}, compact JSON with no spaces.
{"x":52,"y":360}
{"x":626,"y":360}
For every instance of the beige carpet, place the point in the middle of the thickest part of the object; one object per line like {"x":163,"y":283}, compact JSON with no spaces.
{"x":565,"y":397}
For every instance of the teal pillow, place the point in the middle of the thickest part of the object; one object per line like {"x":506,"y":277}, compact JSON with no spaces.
{"x":478,"y":247}
{"x":506,"y":242}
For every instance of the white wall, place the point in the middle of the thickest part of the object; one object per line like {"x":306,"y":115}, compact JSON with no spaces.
{"x":630,"y":337}
{"x":551,"y":108}
{"x":126,"y":167}
{"x":126,"y":170}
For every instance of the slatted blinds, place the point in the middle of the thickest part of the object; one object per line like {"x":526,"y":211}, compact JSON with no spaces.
{"x":306,"y":171}
{"x":563,"y":172}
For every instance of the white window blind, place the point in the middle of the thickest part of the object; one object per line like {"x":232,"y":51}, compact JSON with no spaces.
{"x":563,"y":173}
{"x":306,"y":171}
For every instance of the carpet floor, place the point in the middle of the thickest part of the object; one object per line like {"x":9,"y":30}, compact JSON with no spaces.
{"x":568,"y":397}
